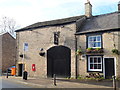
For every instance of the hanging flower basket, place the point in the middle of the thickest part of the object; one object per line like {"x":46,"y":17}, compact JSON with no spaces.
{"x":42,"y":53}
{"x":79,"y":52}
{"x":21,"y":55}
{"x":115,"y":51}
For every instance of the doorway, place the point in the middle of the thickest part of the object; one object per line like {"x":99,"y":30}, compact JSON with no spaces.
{"x":20,"y":69}
{"x":59,"y":61}
{"x":109,"y":67}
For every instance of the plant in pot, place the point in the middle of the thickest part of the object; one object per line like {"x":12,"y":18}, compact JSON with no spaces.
{"x":115,"y":51}
{"x":79,"y":52}
{"x":42,"y":53}
{"x":89,"y":50}
{"x":99,"y":50}
{"x":21,"y":55}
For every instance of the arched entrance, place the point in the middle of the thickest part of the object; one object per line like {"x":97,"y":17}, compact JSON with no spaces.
{"x":59,"y":61}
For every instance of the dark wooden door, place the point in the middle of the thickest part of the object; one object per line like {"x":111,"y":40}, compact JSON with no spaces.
{"x":59,"y":61}
{"x":109,"y":68}
{"x":20,"y":69}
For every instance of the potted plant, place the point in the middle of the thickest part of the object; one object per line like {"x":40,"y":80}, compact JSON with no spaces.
{"x":42,"y":52}
{"x":21,"y":55}
{"x":79,"y":52}
{"x":99,"y":50}
{"x":89,"y":50}
{"x":115,"y":51}
{"x":94,"y":50}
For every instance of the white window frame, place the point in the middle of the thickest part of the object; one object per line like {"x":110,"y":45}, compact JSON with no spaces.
{"x":94,"y":41}
{"x":100,"y":70}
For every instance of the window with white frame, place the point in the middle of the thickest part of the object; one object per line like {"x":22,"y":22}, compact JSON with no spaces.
{"x":94,"y":41}
{"x":94,"y":63}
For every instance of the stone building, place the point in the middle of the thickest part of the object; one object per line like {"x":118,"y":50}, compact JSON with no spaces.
{"x":48,"y":48}
{"x":98,"y":44}
{"x":7,"y":51}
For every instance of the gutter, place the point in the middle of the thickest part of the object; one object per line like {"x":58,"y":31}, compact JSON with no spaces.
{"x":97,"y":30}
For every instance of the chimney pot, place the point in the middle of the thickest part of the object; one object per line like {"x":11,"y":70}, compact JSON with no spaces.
{"x":119,"y":6}
{"x":88,"y":9}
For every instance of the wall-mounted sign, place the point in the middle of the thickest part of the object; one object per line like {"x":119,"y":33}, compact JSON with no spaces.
{"x":25,"y":46}
{"x":56,"y":37}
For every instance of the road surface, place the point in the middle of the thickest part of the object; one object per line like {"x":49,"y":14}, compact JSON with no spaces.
{"x":11,"y":84}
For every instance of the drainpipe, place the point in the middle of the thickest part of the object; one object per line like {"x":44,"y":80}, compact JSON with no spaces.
{"x":16,"y":52}
{"x":76,"y":65}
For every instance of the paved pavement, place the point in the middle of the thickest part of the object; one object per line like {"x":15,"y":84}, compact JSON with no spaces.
{"x":61,"y":83}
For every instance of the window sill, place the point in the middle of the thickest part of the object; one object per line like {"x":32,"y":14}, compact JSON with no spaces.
{"x":94,"y":71}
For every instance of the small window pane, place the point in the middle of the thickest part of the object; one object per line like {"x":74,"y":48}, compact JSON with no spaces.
{"x":95,"y":66}
{"x":99,"y":66}
{"x":91,"y":66}
{"x":94,"y":38}
{"x":99,"y":60}
{"x":98,"y":38}
{"x":95,"y":60}
{"x":90,"y":38}
{"x":94,"y":44}
{"x":98,"y":44}
{"x":91,"y":60}
{"x":91,"y":44}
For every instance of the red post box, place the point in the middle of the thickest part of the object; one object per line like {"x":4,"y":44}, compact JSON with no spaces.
{"x":33,"y":67}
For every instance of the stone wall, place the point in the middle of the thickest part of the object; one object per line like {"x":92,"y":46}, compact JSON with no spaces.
{"x":118,"y":69}
{"x":0,"y":52}
{"x":8,"y":51}
{"x":44,"y":38}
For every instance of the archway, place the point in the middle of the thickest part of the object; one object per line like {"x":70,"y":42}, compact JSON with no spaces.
{"x":59,"y":61}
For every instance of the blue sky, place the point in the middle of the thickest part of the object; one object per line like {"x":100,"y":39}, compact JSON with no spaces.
{"x":27,"y":12}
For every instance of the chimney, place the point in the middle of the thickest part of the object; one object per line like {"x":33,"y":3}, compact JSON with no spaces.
{"x":88,"y":9}
{"x":119,"y":6}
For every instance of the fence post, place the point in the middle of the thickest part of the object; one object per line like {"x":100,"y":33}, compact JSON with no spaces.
{"x":54,"y":76}
{"x":114,"y":82}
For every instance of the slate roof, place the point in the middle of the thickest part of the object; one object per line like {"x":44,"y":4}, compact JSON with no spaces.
{"x":119,"y":2}
{"x":100,"y":23}
{"x":51,"y":23}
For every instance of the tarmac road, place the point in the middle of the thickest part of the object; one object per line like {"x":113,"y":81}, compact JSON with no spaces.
{"x":10,"y":84}
{"x":17,"y":82}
